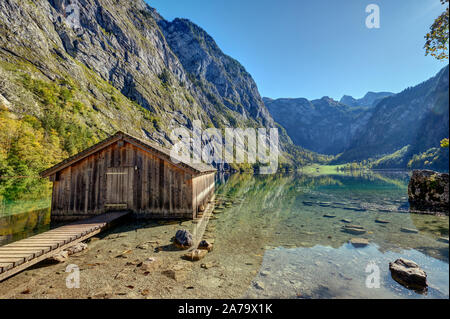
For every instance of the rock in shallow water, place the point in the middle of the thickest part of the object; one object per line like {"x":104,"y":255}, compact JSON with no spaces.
{"x":408,"y":274}
{"x":359,"y":242}
{"x":354,"y":229}
{"x":409,"y":230}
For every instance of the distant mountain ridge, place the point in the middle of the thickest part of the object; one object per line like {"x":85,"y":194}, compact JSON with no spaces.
{"x":410,"y":124}
{"x":324,"y":125}
{"x":370,"y":99}
{"x":417,"y":117}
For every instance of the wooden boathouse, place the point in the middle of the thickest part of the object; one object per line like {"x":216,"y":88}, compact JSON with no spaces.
{"x":125,"y":173}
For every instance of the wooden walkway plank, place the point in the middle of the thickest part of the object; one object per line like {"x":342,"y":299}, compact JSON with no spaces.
{"x":5,"y":266}
{"x":20,"y":255}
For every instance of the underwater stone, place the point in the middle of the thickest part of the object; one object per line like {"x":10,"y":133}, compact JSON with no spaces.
{"x":408,"y":274}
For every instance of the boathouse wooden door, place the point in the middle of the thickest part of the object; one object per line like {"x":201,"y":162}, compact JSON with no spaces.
{"x":119,"y":188}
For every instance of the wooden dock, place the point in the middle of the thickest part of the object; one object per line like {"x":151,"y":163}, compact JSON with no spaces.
{"x":20,"y":255}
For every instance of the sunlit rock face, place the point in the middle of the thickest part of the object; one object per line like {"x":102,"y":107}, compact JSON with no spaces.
{"x":428,"y":192}
{"x":126,"y":68}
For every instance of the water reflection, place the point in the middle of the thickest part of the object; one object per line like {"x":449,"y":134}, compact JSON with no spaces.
{"x":24,"y":208}
{"x":305,"y":217}
{"x":19,"y":226}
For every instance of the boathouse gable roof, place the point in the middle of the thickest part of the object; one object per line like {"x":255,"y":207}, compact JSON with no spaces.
{"x":159,"y":151}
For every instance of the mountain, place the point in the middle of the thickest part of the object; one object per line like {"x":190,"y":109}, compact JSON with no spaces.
{"x":371,"y":99}
{"x":417,"y":117}
{"x":324,"y":125}
{"x":388,"y":130}
{"x":121,"y":66}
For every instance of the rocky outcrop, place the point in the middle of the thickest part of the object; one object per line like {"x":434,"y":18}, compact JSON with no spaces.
{"x":223,"y":80}
{"x":428,"y":192}
{"x":408,"y":274}
{"x":121,"y":66}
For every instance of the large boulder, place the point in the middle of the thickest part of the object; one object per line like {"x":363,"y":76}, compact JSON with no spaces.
{"x":183,"y":239}
{"x":428,"y":192}
{"x":408,"y":274}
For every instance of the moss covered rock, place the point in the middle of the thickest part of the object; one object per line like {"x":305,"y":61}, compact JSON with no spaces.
{"x":428,"y":192}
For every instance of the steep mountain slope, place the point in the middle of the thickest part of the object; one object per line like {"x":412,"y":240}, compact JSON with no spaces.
{"x":388,"y":130}
{"x":221,"y":78}
{"x":325,"y":126}
{"x":370,"y":99}
{"x":418,"y":116}
{"x":122,"y":67}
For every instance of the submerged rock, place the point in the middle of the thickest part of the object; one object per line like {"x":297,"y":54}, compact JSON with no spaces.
{"x":354,"y":229}
{"x":409,"y":230}
{"x":359,"y":242}
{"x":258,"y":285}
{"x":408,"y":274}
{"x":183,"y":239}
{"x":428,"y":192}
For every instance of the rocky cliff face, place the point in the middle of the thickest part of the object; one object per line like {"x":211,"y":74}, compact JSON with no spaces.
{"x":325,"y":126}
{"x":418,"y":117}
{"x":120,"y":66}
{"x":221,"y":79}
{"x":392,"y":130}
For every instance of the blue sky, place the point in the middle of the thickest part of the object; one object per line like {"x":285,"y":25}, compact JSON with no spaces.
{"x":300,"y":48}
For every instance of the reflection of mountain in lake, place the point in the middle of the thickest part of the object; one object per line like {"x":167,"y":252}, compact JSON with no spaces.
{"x":289,"y":211}
{"x":284,"y":234}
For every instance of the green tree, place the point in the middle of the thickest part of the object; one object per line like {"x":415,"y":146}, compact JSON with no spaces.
{"x":437,"y":39}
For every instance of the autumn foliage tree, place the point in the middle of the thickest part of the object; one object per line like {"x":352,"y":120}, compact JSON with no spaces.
{"x":437,"y":43}
{"x":437,"y":39}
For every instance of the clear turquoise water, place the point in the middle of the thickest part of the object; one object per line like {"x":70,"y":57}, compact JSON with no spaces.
{"x":307,"y":255}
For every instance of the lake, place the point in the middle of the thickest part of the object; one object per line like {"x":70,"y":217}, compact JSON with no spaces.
{"x":287,"y":236}
{"x":297,"y":221}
